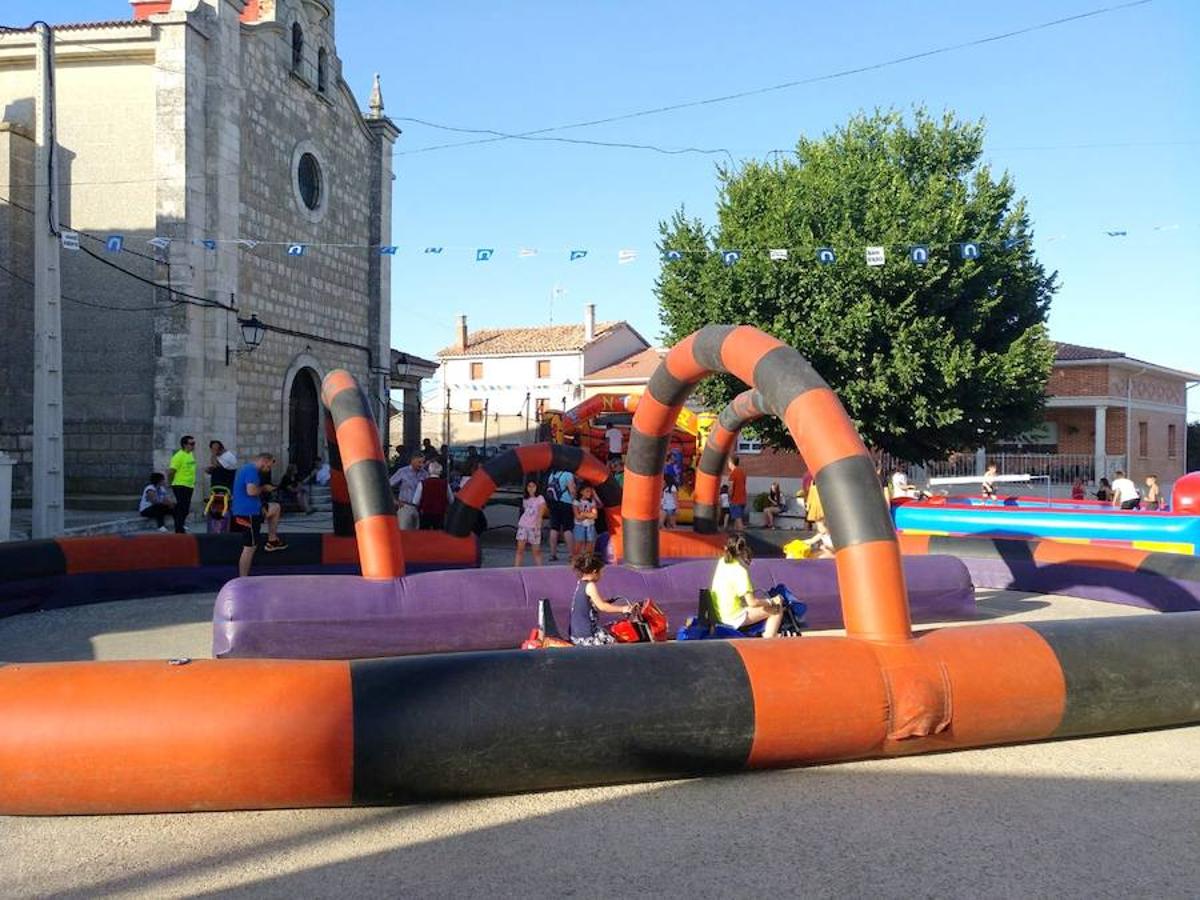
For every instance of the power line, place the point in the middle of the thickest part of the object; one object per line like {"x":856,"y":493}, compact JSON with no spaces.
{"x":90,"y":303}
{"x":500,"y":135}
{"x":740,"y":95}
{"x":184,"y":297}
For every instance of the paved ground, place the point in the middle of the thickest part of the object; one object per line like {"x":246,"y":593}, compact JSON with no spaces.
{"x":1104,"y":817}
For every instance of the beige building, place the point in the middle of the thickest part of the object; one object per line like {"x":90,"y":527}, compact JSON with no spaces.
{"x":223,"y":130}
{"x":494,"y":383}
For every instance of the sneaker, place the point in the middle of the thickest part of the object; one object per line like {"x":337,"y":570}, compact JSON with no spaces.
{"x":277,"y":544}
{"x":163,"y":529}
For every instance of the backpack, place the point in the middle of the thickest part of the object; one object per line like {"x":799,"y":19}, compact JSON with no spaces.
{"x":556,"y":487}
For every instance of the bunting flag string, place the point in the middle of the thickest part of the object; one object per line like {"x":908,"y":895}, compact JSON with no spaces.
{"x":919,"y":253}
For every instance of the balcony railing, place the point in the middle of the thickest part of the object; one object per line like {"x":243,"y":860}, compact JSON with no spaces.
{"x":1061,"y":468}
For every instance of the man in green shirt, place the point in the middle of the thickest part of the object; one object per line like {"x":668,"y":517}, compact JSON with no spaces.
{"x":181,"y":474}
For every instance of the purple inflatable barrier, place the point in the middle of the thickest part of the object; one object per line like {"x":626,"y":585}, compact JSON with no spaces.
{"x":345,"y":617}
{"x":1145,"y":590}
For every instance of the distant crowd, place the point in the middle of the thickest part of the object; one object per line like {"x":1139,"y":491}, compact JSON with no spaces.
{"x":241,"y":498}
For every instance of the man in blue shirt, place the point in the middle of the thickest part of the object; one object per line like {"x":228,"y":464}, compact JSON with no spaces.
{"x":250,"y":507}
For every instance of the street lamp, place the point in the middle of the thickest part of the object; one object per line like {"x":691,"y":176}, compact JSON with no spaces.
{"x":253,"y":332}
{"x":404,"y":366}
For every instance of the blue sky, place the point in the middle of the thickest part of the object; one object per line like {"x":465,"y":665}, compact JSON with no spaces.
{"x":1097,"y":120}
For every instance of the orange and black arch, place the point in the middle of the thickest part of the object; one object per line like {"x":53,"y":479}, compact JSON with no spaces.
{"x":742,"y":409}
{"x":516,"y":465}
{"x":874,"y":600}
{"x":361,"y":456}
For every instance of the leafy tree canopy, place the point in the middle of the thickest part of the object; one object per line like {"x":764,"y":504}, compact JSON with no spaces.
{"x":927,"y":359}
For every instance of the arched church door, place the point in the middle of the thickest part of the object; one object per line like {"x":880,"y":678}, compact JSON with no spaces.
{"x":303,"y":420}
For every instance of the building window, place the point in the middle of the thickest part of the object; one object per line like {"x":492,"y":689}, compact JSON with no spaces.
{"x":543,"y":368}
{"x":542,"y":404}
{"x":476,"y":413}
{"x":1143,"y":440}
{"x":749,"y":445}
{"x":308,"y":178}
{"x":297,"y":47}
{"x":322,"y":69}
{"x":1171,"y":451}
{"x":476,"y":371}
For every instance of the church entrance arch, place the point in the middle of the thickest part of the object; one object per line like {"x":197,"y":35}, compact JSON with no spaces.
{"x":302,"y":415}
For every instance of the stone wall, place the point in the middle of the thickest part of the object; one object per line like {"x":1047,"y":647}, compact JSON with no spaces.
{"x":325,"y":292}
{"x":16,"y":310}
{"x":105,"y":132}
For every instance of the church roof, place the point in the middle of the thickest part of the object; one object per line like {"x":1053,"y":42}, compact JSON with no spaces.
{"x":82,"y":26}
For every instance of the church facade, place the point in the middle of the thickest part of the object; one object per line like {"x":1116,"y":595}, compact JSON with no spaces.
{"x":218,"y":140}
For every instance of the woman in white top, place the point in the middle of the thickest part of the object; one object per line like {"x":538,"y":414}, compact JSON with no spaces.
{"x":156,"y":501}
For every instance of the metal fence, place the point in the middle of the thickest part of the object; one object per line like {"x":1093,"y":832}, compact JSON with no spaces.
{"x":1060,"y":468}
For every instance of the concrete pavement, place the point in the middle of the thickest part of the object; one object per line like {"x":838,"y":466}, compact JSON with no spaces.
{"x":1103,"y":817}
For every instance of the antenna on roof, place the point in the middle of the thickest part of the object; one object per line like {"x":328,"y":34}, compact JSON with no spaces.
{"x":557,"y":293}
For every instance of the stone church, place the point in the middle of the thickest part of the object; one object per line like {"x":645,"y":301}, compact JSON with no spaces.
{"x":219,"y":141}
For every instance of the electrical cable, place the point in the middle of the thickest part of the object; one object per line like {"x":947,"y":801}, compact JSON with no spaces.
{"x":816,"y":79}
{"x":76,"y":300}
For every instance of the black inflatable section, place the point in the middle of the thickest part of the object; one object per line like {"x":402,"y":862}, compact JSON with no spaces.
{"x":1127,"y":674}
{"x":429,"y":727}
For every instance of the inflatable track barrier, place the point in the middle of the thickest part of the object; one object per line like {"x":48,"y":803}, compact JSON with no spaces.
{"x":137,"y":737}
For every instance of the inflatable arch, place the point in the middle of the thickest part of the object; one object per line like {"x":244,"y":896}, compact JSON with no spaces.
{"x":742,"y":409}
{"x":522,"y":461}
{"x":361,"y":455}
{"x":874,"y":602}
{"x":339,"y":495}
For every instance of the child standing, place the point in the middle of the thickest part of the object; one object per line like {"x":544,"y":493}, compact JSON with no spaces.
{"x":670,"y":502}
{"x":723,"y":517}
{"x":585,"y":520}
{"x":588,"y":602}
{"x":529,"y":526}
{"x":1153,"y":500}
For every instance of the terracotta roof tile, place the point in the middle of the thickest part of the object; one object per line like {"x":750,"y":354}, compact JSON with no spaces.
{"x":539,"y":339}
{"x":1064,"y":352}
{"x":638,"y":367}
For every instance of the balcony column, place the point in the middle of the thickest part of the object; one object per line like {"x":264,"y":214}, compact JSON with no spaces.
{"x":1100,"y":449}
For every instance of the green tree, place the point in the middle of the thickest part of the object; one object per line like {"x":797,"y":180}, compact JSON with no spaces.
{"x":927,"y":359}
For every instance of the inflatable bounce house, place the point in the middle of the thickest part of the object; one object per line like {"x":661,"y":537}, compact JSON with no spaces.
{"x":266,"y":733}
{"x":686,"y":440}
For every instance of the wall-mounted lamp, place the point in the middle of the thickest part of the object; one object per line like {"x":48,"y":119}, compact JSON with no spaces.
{"x":253,"y":332}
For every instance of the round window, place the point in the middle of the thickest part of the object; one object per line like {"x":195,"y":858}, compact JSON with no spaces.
{"x":308,"y":176}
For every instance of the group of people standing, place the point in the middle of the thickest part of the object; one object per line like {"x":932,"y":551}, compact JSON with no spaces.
{"x":573,"y":511}
{"x":242,"y":499}
{"x":1122,"y":493}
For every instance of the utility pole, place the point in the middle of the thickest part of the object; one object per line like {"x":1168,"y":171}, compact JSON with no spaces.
{"x":47,"y":307}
